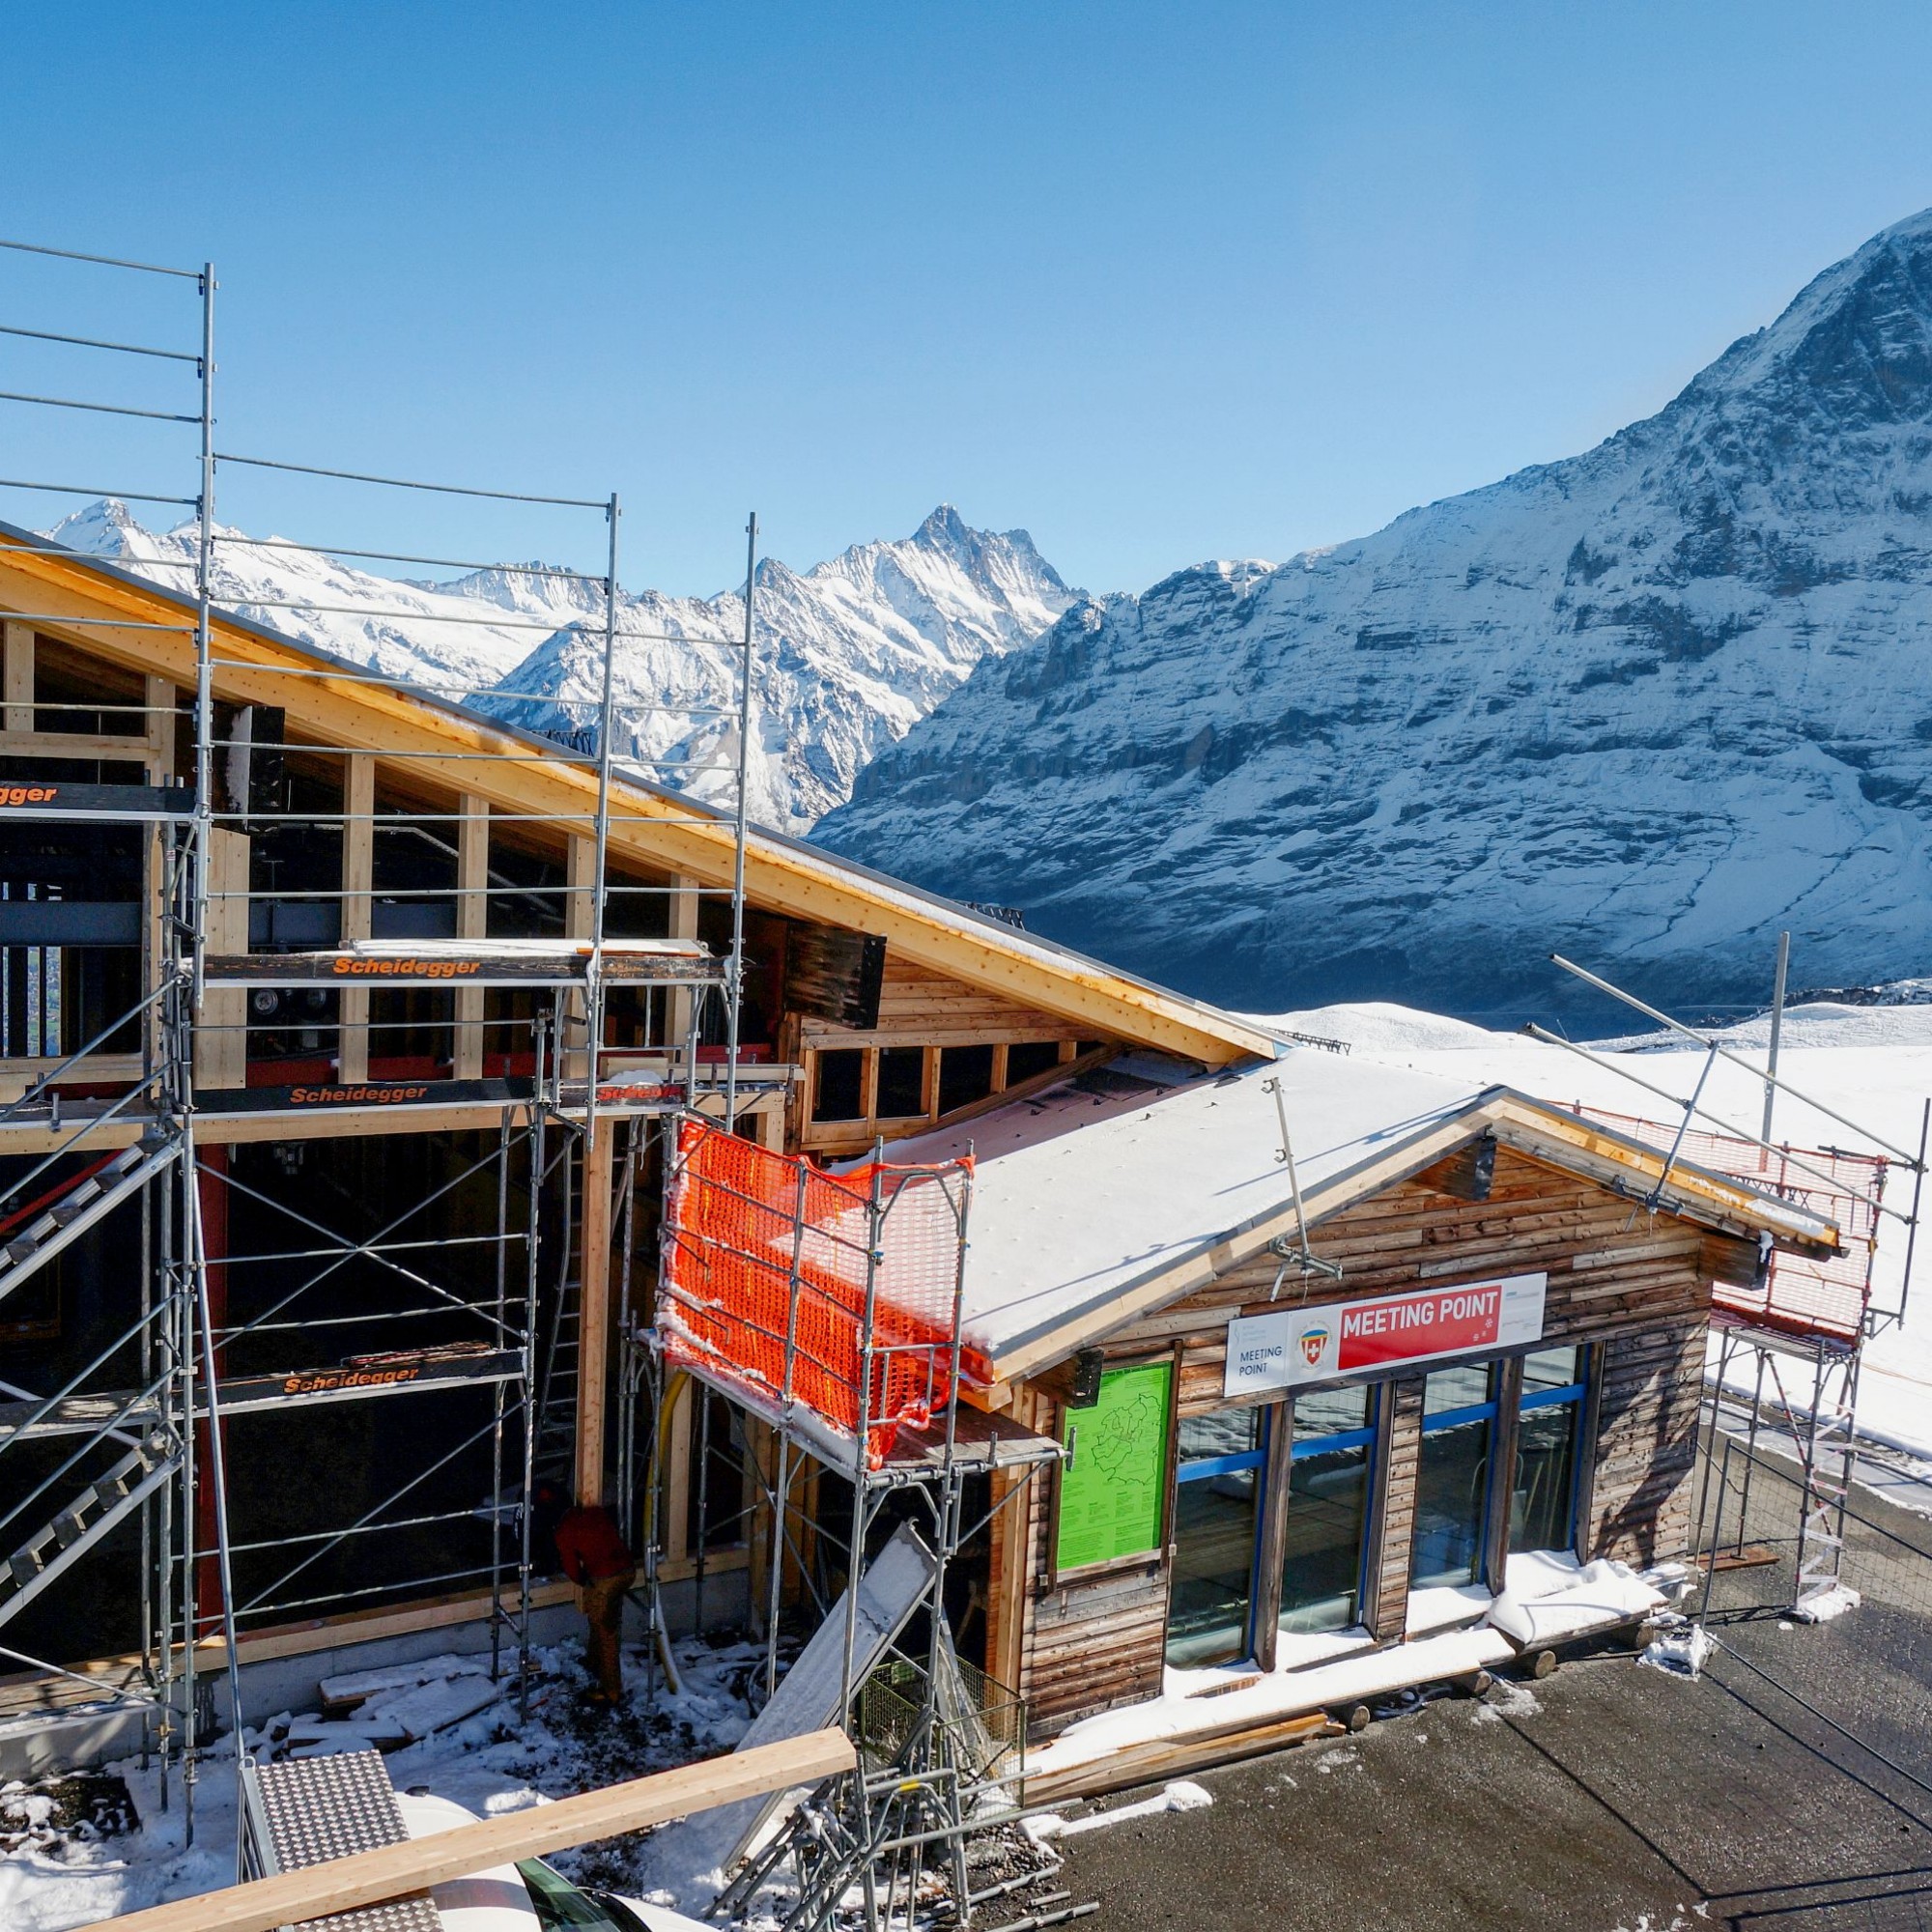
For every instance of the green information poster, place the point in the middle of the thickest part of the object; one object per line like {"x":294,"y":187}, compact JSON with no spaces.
{"x":1113,"y":1486}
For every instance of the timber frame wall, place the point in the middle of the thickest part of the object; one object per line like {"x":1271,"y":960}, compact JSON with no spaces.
{"x":1635,"y":1287}
{"x":923,"y":1008}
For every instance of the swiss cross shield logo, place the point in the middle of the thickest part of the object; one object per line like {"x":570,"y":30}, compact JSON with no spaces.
{"x":1313,"y":1341}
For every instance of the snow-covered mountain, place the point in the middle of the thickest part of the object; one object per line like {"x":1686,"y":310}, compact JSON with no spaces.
{"x":1644,"y":706}
{"x":848,"y":655}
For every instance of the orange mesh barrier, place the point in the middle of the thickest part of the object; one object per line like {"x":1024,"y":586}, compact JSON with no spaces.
{"x":740,"y":1220}
{"x":1799,"y":1295}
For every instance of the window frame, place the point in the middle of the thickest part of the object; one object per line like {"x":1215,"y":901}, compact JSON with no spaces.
{"x":1203,"y":1468}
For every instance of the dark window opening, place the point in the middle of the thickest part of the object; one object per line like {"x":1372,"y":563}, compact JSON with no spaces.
{"x":839,"y":1093}
{"x":714,"y":1504}
{"x":1543,"y":1493}
{"x":901,"y":1083}
{"x":1029,"y":1059}
{"x":527,"y":892}
{"x":965,"y":1075}
{"x":75,"y":694}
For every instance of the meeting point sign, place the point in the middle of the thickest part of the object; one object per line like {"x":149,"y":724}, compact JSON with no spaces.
{"x":1287,"y":1347}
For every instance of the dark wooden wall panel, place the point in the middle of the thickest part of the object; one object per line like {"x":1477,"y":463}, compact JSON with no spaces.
{"x":1652,"y":1386}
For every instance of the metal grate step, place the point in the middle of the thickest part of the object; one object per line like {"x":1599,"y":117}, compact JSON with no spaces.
{"x":80,"y":1208}
{"x":79,"y":1527}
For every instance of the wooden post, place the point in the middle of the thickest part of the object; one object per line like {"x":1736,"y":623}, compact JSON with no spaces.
{"x":394,"y":1871}
{"x":358,"y":878}
{"x":682,"y":925}
{"x":160,"y":736}
{"x":19,"y":675}
{"x":472,"y":922}
{"x":593,"y":1325}
{"x":221,"y":1028}
{"x":580,"y":922}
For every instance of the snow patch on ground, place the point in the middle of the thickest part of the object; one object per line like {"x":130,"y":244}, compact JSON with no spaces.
{"x":1679,"y":1645}
{"x":1183,"y":1795}
{"x":490,"y":1760}
{"x":1828,"y":1604}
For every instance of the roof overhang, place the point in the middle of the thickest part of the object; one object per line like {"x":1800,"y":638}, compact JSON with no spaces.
{"x":1534,"y":1128}
{"x":655,"y":827}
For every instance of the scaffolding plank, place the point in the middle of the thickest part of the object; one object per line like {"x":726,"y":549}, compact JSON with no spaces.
{"x":368,"y":1878}
{"x":54,"y":798}
{"x":474,"y":963}
{"x":807,"y":1699}
{"x":312,"y":1097}
{"x":244,"y":1395}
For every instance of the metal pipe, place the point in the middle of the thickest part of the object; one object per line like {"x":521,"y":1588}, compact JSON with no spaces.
{"x":84,"y":490}
{"x":1834,"y":1181}
{"x":100,"y":261}
{"x":498,"y":1402}
{"x":735,"y":964}
{"x":594,"y":992}
{"x":89,"y":342}
{"x":1690,"y":1033}
{"x":93,"y":409}
{"x":242,"y":541}
{"x":204,"y":676}
{"x":1776,"y":1027}
{"x":408,"y":483}
{"x":1911,"y":1226}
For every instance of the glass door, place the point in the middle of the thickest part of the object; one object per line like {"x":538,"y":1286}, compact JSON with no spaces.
{"x":1452,"y":1484}
{"x":1543,"y":1497}
{"x":1332,"y":1460}
{"x":1216,"y":1512}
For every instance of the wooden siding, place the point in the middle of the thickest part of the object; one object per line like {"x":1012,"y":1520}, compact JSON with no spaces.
{"x":1635,"y":1284}
{"x":923,"y":1007}
{"x":1401,"y":1449}
{"x":1609,"y":1264}
{"x":1651,"y":1384}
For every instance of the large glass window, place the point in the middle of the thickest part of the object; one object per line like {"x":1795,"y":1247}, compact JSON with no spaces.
{"x":1458,"y":1415}
{"x":1543,"y":1497}
{"x":1216,"y":1508}
{"x":1329,"y":1471}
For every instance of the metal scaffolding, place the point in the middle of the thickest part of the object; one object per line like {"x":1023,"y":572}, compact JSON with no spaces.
{"x":231,"y":975}
{"x":1788,"y":1342}
{"x":827,"y":1312}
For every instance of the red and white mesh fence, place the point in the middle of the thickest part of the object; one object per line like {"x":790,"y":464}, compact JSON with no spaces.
{"x":1801,"y":1294}
{"x":764,"y":1282}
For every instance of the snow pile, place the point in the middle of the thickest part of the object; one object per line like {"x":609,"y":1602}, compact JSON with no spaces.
{"x":1679,"y":1646}
{"x":1825,"y":1605}
{"x":1598,"y":1594}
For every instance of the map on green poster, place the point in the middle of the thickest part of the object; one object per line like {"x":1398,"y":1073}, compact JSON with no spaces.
{"x":1113,"y":1486}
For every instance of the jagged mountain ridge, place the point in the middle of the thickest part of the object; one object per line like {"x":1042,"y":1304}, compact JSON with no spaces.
{"x":848,"y":655}
{"x":1647,"y":705}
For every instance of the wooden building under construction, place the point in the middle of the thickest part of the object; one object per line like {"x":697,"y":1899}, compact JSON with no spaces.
{"x":1428,"y":1402}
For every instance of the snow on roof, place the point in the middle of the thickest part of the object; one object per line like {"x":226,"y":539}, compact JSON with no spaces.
{"x":1083,"y":1191}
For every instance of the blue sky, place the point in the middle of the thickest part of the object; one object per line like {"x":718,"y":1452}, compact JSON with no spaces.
{"x":1155,"y":282}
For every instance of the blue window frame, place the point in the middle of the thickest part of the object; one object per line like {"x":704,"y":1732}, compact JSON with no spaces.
{"x":1550,"y":1417}
{"x":1325,"y":1539}
{"x":1220,"y":1461}
{"x":1452,"y":1483}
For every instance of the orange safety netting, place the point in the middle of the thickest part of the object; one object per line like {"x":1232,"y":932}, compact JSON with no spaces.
{"x":742,"y":1224}
{"x":1801,"y":1294}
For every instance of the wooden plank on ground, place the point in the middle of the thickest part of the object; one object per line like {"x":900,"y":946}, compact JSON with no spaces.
{"x":368,"y":1878}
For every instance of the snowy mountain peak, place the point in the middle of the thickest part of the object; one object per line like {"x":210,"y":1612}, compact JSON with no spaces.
{"x":850,"y":653}
{"x":1647,"y":705}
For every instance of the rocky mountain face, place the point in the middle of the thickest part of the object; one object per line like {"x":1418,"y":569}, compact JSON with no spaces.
{"x":846,"y":658}
{"x":1646,"y":706}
